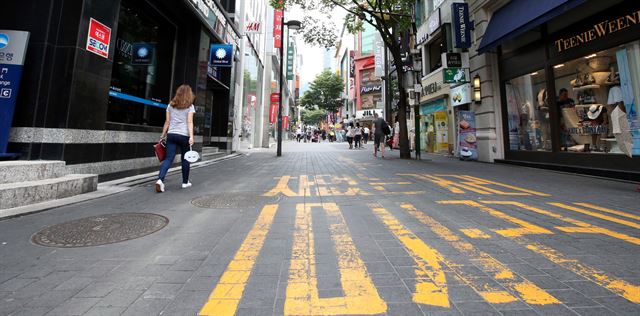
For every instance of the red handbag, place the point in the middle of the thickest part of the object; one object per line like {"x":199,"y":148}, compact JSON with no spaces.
{"x":161,"y":150}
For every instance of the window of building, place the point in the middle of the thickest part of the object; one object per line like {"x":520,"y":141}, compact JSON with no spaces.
{"x":367,"y":39}
{"x":528,"y":112}
{"x":590,"y":88}
{"x":142,"y":67}
{"x":434,"y":52}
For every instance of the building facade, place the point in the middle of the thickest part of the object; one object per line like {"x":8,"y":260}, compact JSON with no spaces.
{"x":100,"y":108}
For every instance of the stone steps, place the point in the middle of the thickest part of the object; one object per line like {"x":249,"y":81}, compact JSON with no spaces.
{"x":19,"y":170}
{"x":23,"y":193}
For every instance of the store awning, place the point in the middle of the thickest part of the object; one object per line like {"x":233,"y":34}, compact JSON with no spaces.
{"x":519,"y":16}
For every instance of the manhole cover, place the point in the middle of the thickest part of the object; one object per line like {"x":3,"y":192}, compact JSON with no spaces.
{"x":233,"y":200}
{"x":100,"y":230}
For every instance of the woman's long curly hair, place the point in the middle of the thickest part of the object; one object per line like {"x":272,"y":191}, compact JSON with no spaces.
{"x":184,"y":97}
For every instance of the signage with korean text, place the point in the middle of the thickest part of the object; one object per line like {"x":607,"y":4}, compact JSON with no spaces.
{"x":467,"y":139}
{"x":278,"y":15}
{"x":221,"y":55}
{"x":273,"y":109}
{"x":252,"y":27}
{"x":98,"y":38}
{"x":453,"y":60}
{"x":433,"y":23}
{"x":290,"y":52}
{"x":13,"y":47}
{"x":352,"y":64}
{"x":460,"y":95}
{"x":461,"y":25}
{"x":455,"y":75}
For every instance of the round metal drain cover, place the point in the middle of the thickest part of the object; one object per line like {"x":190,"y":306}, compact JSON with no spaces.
{"x":100,"y":230}
{"x":233,"y":200}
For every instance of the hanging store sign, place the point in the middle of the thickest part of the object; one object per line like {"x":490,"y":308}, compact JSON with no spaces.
{"x":13,"y":47}
{"x":453,"y":60}
{"x":433,"y":23}
{"x":461,"y":25}
{"x":352,"y":64}
{"x":460,"y":95}
{"x":253,"y":27}
{"x":278,"y":15}
{"x":379,"y":55}
{"x":273,"y":109}
{"x":98,"y":38}
{"x":290,"y":52}
{"x":455,"y":75}
{"x":221,"y":55}
{"x":285,"y":122}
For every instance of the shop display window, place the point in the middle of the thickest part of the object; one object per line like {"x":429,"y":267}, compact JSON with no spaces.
{"x":528,"y":112}
{"x":142,"y":67}
{"x":590,"y":88}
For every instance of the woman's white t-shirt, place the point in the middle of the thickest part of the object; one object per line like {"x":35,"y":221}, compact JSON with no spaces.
{"x":178,"y":120}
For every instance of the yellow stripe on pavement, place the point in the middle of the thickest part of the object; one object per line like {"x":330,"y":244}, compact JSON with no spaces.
{"x":431,"y":282}
{"x":226,"y":296}
{"x":525,"y":228}
{"x":526,"y":290}
{"x":474,"y":233}
{"x":302,"y":298}
{"x":580,"y":226}
{"x":481,"y":181}
{"x":608,"y":210}
{"x":282,"y":187}
{"x":597,"y":215}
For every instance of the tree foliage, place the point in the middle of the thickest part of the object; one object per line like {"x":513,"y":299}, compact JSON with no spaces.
{"x":323,"y":92}
{"x":389,"y":17}
{"x":313,"y":116}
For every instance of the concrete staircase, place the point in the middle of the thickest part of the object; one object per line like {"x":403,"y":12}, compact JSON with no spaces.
{"x":210,"y":153}
{"x":29,"y":182}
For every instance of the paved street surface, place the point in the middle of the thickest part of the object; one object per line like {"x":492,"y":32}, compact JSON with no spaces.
{"x":325,"y":230}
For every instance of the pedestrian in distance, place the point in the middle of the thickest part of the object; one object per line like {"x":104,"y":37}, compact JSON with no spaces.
{"x":178,"y":132}
{"x":396,"y":133}
{"x":380,"y":131}
{"x":365,"y":135}
{"x":358,"y":136}
{"x":351,"y":133}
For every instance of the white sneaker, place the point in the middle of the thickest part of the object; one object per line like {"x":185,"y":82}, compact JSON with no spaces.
{"x":186,"y":185}
{"x":159,"y":186}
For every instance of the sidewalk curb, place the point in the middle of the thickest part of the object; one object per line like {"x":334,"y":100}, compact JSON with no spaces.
{"x":104,"y":189}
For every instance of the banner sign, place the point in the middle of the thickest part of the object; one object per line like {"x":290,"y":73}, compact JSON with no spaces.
{"x":290,"y":52}
{"x":352,"y":64}
{"x":13,"y":47}
{"x":252,"y":27}
{"x":221,"y":55}
{"x":142,"y":53}
{"x":368,"y":114}
{"x":273,"y":110}
{"x":379,"y":48}
{"x":461,"y":25}
{"x":278,"y":15}
{"x":98,"y":38}
{"x":460,"y":95}
{"x":285,"y":122}
{"x":455,"y":75}
{"x":467,"y":141}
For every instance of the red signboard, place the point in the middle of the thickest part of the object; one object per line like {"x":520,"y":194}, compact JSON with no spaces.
{"x":98,"y":38}
{"x":273,"y":110}
{"x":285,"y":122}
{"x":277,"y":28}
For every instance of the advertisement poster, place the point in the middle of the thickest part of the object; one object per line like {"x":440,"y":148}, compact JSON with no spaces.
{"x":98,"y":38}
{"x":468,"y":149}
{"x":442,"y":131}
{"x":13,"y":48}
{"x":629,"y":99}
{"x":370,"y":89}
{"x":273,"y":110}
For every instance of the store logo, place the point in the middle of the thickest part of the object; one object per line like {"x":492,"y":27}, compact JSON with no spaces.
{"x":221,"y":53}
{"x":4,"y":40}
{"x":143,"y":52}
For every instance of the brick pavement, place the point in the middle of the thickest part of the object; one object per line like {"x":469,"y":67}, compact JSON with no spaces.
{"x":340,"y":232}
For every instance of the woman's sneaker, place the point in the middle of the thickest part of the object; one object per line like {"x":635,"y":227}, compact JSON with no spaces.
{"x":186,"y":185}
{"x":159,"y":186}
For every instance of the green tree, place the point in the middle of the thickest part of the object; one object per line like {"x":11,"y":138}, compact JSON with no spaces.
{"x":313,"y":116}
{"x":389,"y":17}
{"x":324,"y":92}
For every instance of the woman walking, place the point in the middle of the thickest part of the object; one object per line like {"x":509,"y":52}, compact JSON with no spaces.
{"x":178,"y":130}
{"x":350,"y":135}
{"x":396,"y":134}
{"x":358,"y":136}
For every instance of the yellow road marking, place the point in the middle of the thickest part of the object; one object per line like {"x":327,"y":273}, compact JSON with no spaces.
{"x":474,"y":233}
{"x":302,"y":298}
{"x":226,"y":296}
{"x":581,"y":227}
{"x":431,"y":282}
{"x":481,"y":181}
{"x":598,"y":215}
{"x":449,"y":185}
{"x":305,"y":186}
{"x":608,"y":210}
{"x":526,"y":290}
{"x":524,"y":229}
{"x":391,"y":183}
{"x":620,"y":287}
{"x":282,"y":187}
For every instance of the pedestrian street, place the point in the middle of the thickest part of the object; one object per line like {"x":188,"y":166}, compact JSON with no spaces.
{"x":325,"y":230}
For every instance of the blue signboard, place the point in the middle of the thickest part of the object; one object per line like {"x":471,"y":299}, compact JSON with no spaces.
{"x":461,"y":25}
{"x":142,"y":53}
{"x":13,"y":45}
{"x":221,"y":55}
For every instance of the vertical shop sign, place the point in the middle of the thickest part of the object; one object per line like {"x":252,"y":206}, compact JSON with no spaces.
{"x":629,"y":100}
{"x":278,"y":15}
{"x":13,"y":46}
{"x":379,"y":55}
{"x":98,"y":38}
{"x":290,"y":52}
{"x":352,"y":64}
{"x":273,"y":110}
{"x":461,"y":25}
{"x":285,"y":122}
{"x":467,"y":135}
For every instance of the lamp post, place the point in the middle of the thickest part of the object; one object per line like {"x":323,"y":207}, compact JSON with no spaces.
{"x":294,"y":25}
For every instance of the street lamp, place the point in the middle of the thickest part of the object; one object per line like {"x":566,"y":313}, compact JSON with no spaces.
{"x":293,"y":25}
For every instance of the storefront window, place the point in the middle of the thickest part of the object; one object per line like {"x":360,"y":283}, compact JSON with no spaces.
{"x":591,"y":88}
{"x":528,"y":112}
{"x":141,"y":77}
{"x":250,"y":98}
